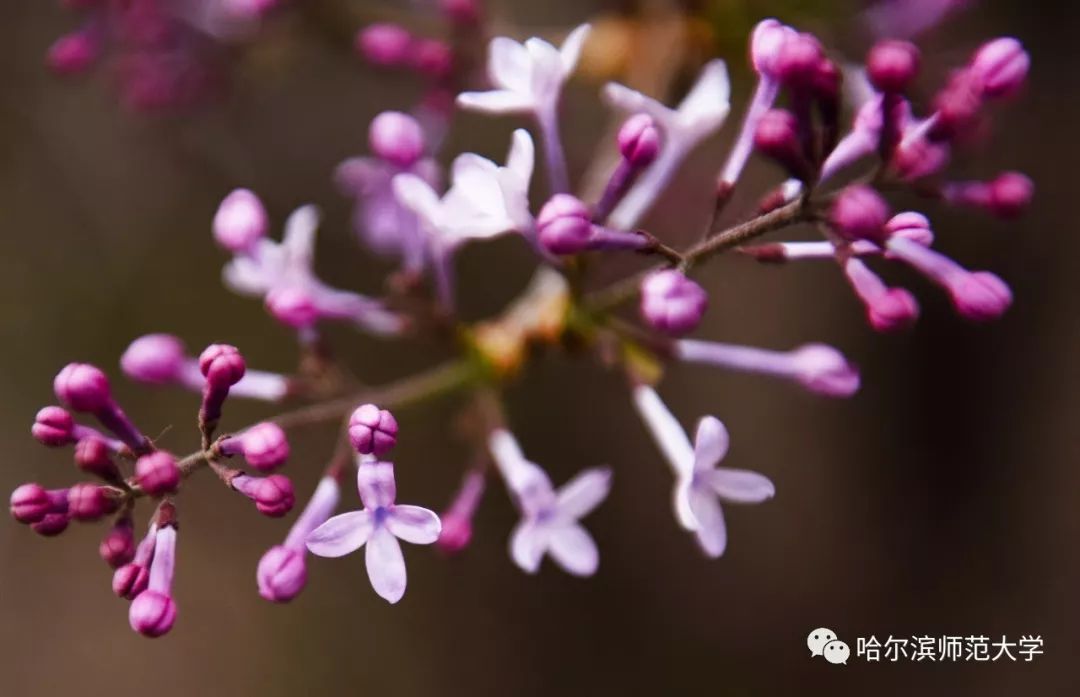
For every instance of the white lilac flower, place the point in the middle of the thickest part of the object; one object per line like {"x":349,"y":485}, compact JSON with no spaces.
{"x":549,"y":518}
{"x":701,"y":113}
{"x":379,"y":525}
{"x":699,"y":483}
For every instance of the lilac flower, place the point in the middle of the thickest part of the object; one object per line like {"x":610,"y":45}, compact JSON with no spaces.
{"x":283,"y":275}
{"x":817,"y":367}
{"x":380,"y":525}
{"x":549,"y":518}
{"x":698,"y":480}
{"x":282,"y":572}
{"x":700,"y":114}
{"x":153,"y":612}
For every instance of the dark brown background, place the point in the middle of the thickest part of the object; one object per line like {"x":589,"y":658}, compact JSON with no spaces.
{"x":941,"y":500}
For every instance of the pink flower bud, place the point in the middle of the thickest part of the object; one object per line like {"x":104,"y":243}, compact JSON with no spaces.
{"x":456,"y":533}
{"x":1011,"y":194}
{"x":30,"y":503}
{"x":396,"y":138}
{"x":130,"y":580}
{"x":157,"y":359}
{"x":892,"y":65}
{"x":222,"y":366}
{"x":240,"y":221}
{"x":264,"y":446}
{"x":639,"y":140}
{"x":281,"y":574}
{"x":292,"y":306}
{"x":777,"y":136}
{"x":859,"y":213}
{"x":979,"y":296}
{"x":433,"y":58}
{"x":157,"y":473}
{"x":89,"y":502}
{"x":372,"y":431}
{"x":51,"y":525}
{"x":824,"y":370}
{"x":894,"y":310}
{"x":800,"y":56}
{"x":671,"y":303}
{"x":563,"y":225}
{"x":93,"y":456}
{"x":1000,"y":67}
{"x":117,"y":548}
{"x":766,"y":45}
{"x":152,"y":613}
{"x":384,"y":44}
{"x":911,"y":225}
{"x":83,"y":387}
{"x":74,"y":53}
{"x":957,"y":106}
{"x":273,"y":495}
{"x":53,"y":427}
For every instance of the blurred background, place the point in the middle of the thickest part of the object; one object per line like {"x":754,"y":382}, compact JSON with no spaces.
{"x":941,"y":500}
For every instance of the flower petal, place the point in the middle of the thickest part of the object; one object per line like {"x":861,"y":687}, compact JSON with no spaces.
{"x":710,"y":443}
{"x":385,"y":565}
{"x":740,"y":486}
{"x":245,"y":276}
{"x":711,"y":530}
{"x":299,"y":240}
{"x":341,"y":534}
{"x":496,"y":102}
{"x":573,"y":549}
{"x":360,"y":175}
{"x":375,"y":482}
{"x":681,"y":500}
{"x":509,"y":65}
{"x":527,"y":545}
{"x":633,"y":101}
{"x":417,"y":195}
{"x":522,"y":157}
{"x":570,"y":50}
{"x":665,"y":429}
{"x":583,"y":493}
{"x":414,"y":524}
{"x":547,"y":71}
{"x":705,"y":107}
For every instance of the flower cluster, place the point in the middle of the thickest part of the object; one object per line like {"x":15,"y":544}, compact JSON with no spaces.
{"x":407,"y":209}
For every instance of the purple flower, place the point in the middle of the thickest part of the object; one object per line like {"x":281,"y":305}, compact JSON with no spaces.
{"x":264,"y":446}
{"x":282,"y":571}
{"x":153,"y":612}
{"x":671,"y":303}
{"x":457,"y":520}
{"x":380,"y":524}
{"x":273,"y":495}
{"x":549,"y":518}
{"x":157,"y":473}
{"x":699,"y":483}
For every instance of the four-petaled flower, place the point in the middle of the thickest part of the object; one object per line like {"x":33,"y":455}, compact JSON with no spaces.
{"x":380,"y":524}
{"x":698,"y":480}
{"x":549,"y":518}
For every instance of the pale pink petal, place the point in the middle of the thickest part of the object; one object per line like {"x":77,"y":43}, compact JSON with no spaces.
{"x":665,"y":429}
{"x":522,"y":156}
{"x":509,"y":65}
{"x":385,"y":565}
{"x":570,"y":50}
{"x":375,"y":482}
{"x":299,"y":239}
{"x":341,"y":534}
{"x":417,"y":195}
{"x":739,"y":486}
{"x":704,"y":109}
{"x":245,"y":276}
{"x":360,"y":175}
{"x":496,"y":102}
{"x":710,"y":443}
{"x":573,"y":549}
{"x":414,"y":524}
{"x":583,"y":493}
{"x":711,"y":530}
{"x":527,"y":545}
{"x":547,"y":71}
{"x":634,"y":102}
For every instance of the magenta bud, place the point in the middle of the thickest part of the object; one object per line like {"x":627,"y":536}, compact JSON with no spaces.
{"x":639,"y":140}
{"x":293,"y":306}
{"x":53,"y":426}
{"x":1000,"y":67}
{"x":265,"y":446}
{"x":433,"y":58}
{"x":93,"y":456}
{"x":222,"y":366}
{"x":893,"y":310}
{"x":240,"y":221}
{"x":372,"y":431}
{"x":957,"y":105}
{"x":911,"y":225}
{"x":396,"y":138}
{"x":117,"y":548}
{"x":152,"y":613}
{"x":461,"y":11}
{"x":157,"y":473}
{"x":456,"y":533}
{"x":892,"y":65}
{"x":74,"y":53}
{"x":563,"y":225}
{"x":156,"y":359}
{"x":83,"y":387}
{"x":800,"y":56}
{"x":273,"y":495}
{"x":671,"y":303}
{"x":1010,"y":194}
{"x":384,"y":44}
{"x":130,"y":580}
{"x":824,"y":370}
{"x":777,"y":136}
{"x":281,"y":574}
{"x":766,"y":45}
{"x":979,"y":296}
{"x":30,"y":503}
{"x":51,"y":525}
{"x":859,"y":213}
{"x":88,"y":502}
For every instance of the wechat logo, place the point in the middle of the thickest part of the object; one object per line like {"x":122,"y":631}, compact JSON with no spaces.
{"x":823,"y":642}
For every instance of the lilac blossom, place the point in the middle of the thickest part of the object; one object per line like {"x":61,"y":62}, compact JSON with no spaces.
{"x":699,"y":483}
{"x":379,"y":525}
{"x":817,"y":367}
{"x":549,"y":518}
{"x":282,"y":571}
